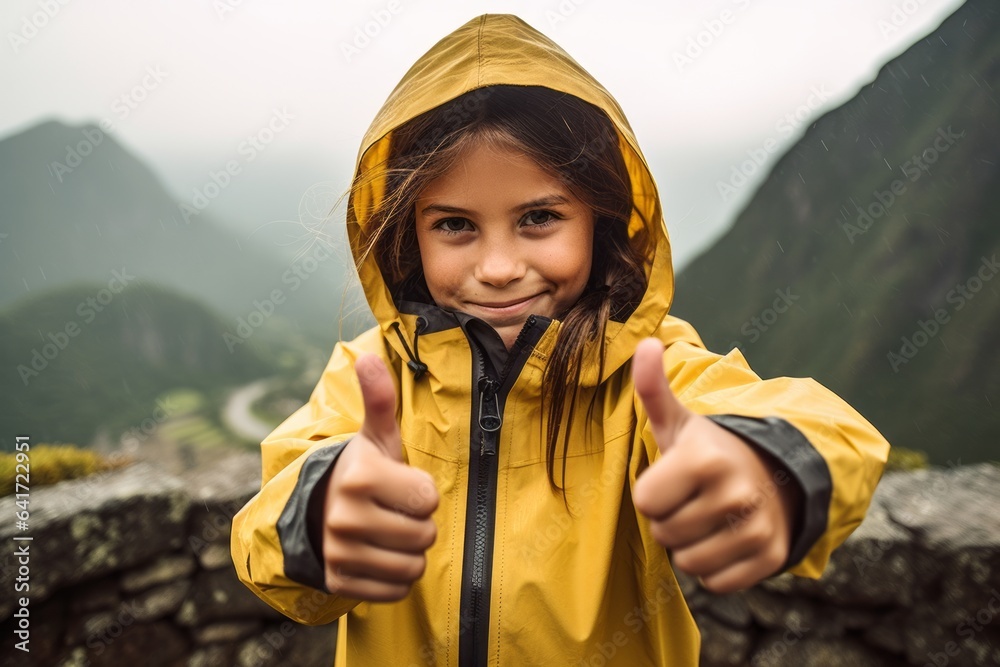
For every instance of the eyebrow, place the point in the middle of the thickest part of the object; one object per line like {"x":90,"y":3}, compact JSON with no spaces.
{"x":547,"y":200}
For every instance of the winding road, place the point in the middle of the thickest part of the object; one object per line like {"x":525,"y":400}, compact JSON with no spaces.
{"x":238,"y":417}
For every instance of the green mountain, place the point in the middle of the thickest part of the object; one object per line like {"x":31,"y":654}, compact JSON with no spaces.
{"x":94,"y":357}
{"x":868,"y":257}
{"x":78,"y":206}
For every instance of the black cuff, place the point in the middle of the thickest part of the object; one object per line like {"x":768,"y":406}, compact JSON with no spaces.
{"x":795,"y":454}
{"x":301,"y":522}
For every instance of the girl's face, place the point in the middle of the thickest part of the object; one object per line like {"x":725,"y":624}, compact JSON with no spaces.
{"x":502,"y":239}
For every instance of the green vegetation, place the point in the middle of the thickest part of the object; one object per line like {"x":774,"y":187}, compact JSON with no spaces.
{"x":890,"y":260}
{"x":183,"y":401}
{"x":286,"y":394}
{"x":905,"y":459}
{"x":112,"y":374}
{"x":48,"y":464}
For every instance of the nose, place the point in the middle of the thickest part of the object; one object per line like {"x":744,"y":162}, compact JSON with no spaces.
{"x":499,"y":263}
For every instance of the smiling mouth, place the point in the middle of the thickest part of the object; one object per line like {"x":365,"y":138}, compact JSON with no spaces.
{"x":506,"y":304}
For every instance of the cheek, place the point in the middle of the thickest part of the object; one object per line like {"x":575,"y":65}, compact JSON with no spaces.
{"x":569,"y":260}
{"x":443,"y":270}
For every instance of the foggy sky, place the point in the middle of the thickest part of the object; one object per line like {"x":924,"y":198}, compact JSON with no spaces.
{"x":211,"y":73}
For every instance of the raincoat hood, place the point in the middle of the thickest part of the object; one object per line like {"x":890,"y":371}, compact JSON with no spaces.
{"x":495,"y":49}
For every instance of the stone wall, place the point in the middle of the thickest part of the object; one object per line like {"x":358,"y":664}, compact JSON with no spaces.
{"x":918,"y":583}
{"x":132,"y":567}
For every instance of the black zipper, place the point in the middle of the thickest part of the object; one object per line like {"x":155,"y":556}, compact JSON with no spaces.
{"x":477,"y":567}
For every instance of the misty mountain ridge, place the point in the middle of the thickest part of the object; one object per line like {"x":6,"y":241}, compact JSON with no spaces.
{"x":881,"y":225}
{"x":77,"y":205}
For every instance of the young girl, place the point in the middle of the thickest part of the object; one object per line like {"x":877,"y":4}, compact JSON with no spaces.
{"x":501,"y":472}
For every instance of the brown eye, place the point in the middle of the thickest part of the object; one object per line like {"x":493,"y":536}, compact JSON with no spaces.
{"x":540,"y":218}
{"x":453,"y":225}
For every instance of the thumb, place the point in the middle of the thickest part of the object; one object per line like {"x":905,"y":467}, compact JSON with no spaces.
{"x":379,"y":395}
{"x":666,"y":413}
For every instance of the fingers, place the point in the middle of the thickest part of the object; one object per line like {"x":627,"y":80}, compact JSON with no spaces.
{"x":410,"y":536}
{"x":379,"y":395}
{"x":712,"y":502}
{"x":373,"y":553}
{"x":692,"y":523}
{"x":666,"y":414}
{"x":377,"y":521}
{"x":720,"y":550}
{"x":742,"y":574}
{"x":409,"y":491}
{"x":361,"y":588}
{"x":367,"y":475}
{"x":673,"y":481}
{"x":665,"y":487}
{"x":713,"y":506}
{"x":369,"y":562}
{"x":718,"y":546}
{"x":354,"y":521}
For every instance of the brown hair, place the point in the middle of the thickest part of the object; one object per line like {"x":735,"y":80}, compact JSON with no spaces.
{"x":573,"y":140}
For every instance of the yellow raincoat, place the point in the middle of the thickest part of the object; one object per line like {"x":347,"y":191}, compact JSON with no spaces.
{"x":513,"y":579}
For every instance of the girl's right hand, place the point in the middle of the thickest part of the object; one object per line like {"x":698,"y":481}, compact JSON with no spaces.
{"x":377,"y":514}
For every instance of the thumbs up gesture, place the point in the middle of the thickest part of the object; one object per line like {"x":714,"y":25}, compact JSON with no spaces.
{"x":710,"y":496}
{"x":377,"y":514}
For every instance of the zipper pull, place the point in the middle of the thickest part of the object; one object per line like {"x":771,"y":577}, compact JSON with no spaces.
{"x":489,"y":406}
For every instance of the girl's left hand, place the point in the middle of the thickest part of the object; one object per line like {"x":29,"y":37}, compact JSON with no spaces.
{"x":724,"y":509}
